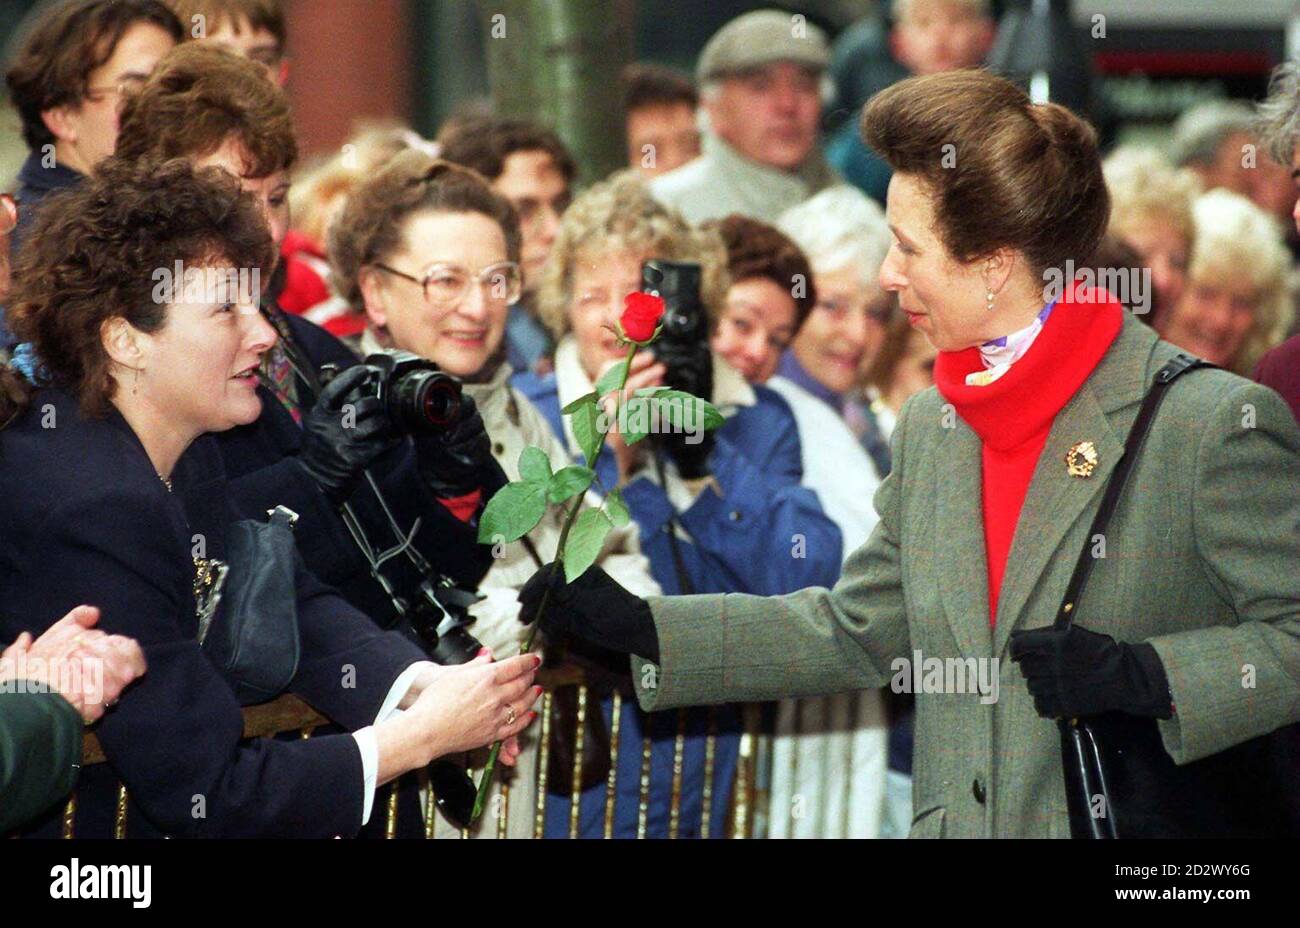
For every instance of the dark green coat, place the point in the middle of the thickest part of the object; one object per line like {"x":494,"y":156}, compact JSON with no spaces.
{"x":40,"y":754}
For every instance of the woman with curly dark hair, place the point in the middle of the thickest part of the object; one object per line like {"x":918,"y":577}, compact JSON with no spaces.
{"x":137,"y":292}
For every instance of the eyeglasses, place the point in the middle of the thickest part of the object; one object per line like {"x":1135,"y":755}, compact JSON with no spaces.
{"x":446,"y":285}
{"x":8,"y":213}
{"x":127,"y":85}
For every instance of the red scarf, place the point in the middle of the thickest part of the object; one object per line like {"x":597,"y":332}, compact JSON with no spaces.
{"x":1013,"y":415}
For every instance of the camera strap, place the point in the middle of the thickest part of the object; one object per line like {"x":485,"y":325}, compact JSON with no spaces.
{"x":375,"y":558}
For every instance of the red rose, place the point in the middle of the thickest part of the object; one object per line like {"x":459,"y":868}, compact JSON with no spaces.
{"x":641,"y":315}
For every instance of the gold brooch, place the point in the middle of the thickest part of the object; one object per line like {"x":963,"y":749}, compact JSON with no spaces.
{"x":209,"y":578}
{"x":1081,"y":459}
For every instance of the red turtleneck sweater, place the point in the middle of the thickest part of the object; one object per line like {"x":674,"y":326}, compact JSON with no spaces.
{"x":1013,"y":415}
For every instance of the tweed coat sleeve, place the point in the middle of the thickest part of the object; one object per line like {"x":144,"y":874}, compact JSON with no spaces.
{"x":1233,"y":683}
{"x":735,"y":647}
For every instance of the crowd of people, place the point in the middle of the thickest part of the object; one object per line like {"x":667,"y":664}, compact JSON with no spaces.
{"x":898,"y":385}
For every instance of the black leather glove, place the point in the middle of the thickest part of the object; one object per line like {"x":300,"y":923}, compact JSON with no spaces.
{"x":338,"y":443}
{"x":595,"y":608}
{"x":1075,"y":672}
{"x":458,"y":459}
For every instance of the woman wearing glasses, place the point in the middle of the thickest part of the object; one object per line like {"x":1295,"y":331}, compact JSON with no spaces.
{"x":430,"y":255}
{"x":112,"y":494}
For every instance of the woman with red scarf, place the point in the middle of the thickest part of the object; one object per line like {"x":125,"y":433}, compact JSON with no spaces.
{"x":1192,"y":613}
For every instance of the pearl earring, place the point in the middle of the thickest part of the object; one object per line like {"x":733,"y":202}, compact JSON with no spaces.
{"x":988,"y":295}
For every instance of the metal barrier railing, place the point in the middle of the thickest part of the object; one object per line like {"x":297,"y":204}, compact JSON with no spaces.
{"x":289,"y":714}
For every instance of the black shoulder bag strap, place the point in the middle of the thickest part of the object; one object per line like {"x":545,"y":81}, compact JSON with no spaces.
{"x":1082,"y":755}
{"x":1180,"y":364}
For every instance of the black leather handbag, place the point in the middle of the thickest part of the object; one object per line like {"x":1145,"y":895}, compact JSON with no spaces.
{"x":254,"y":639}
{"x":1119,"y":780}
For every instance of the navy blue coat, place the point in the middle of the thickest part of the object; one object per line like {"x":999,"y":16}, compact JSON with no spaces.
{"x":35,"y":183}
{"x":87,"y":520}
{"x":261,"y":461}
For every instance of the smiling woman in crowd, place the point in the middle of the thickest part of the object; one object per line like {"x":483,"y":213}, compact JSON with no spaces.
{"x":112,"y":494}
{"x":724,"y":514}
{"x":429,"y":255}
{"x":1237,"y":302}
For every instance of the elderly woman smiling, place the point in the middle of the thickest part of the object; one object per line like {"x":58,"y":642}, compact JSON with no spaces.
{"x":1237,"y":303}
{"x":984,"y":516}
{"x":733,"y":518}
{"x":428,"y":253}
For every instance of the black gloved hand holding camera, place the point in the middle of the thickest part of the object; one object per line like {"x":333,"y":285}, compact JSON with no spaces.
{"x":344,"y":433}
{"x":690,"y":368}
{"x":683,"y":348}
{"x":458,"y":459}
{"x":595,"y":608}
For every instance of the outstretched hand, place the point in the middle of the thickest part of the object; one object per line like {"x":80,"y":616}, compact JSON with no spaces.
{"x":595,"y":608}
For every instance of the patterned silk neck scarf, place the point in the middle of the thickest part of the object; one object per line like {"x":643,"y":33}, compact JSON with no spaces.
{"x":279,"y":369}
{"x":999,"y":354}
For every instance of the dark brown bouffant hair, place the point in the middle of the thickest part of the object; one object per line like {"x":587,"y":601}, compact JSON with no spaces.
{"x":93,"y":254}
{"x":199,"y":96}
{"x":646,"y":84}
{"x":755,"y":249}
{"x":484,"y":144}
{"x":70,"y":40}
{"x":1003,"y":171}
{"x":370,"y":227}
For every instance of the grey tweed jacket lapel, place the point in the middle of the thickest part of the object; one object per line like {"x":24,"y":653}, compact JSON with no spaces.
{"x":1059,"y":508}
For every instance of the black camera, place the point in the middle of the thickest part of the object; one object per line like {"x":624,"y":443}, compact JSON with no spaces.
{"x":440,"y":616}
{"x":417,"y":396}
{"x":683,"y":349}
{"x":683,"y":344}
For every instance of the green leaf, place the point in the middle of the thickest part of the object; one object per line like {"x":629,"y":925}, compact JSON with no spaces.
{"x":580,"y":401}
{"x":534,"y":465}
{"x":651,"y":391}
{"x":568,"y":482}
{"x":585,"y":540}
{"x":636,"y":417}
{"x":586,"y":429}
{"x":513,"y":512}
{"x":616,"y":509}
{"x":611,"y":379}
{"x":672,"y":404}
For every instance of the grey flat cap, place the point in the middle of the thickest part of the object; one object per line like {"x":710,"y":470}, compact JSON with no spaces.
{"x":762,"y":37}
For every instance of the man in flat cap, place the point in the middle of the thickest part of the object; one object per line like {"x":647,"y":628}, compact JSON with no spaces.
{"x":760,"y":78}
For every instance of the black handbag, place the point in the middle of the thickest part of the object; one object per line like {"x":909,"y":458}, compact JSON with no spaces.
{"x":1119,"y":780}
{"x":254,"y":639}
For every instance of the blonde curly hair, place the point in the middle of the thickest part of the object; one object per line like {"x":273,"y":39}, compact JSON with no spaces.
{"x":1145,"y":186}
{"x":619,"y":215}
{"x":1236,"y":239}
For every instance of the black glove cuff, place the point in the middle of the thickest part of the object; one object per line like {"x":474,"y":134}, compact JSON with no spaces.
{"x":1149,"y":682}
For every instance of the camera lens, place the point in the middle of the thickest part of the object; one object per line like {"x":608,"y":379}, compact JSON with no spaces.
{"x":424,"y":401}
